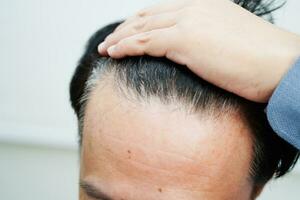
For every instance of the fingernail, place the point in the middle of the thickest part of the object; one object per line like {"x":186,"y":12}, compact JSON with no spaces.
{"x":111,"y":49}
{"x":101,"y":47}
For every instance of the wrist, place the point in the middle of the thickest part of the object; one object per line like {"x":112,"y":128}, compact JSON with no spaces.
{"x":284,"y":56}
{"x":290,"y":50}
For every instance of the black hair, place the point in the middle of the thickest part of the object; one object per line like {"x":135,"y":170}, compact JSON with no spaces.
{"x":148,"y":76}
{"x":261,"y":8}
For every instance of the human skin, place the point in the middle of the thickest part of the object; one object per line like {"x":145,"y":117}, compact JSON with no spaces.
{"x":134,"y":149}
{"x":217,"y":39}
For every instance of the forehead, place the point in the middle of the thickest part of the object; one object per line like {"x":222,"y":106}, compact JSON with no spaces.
{"x":130,"y":144}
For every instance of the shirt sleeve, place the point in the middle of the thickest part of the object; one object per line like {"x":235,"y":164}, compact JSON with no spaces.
{"x":283,"y":110}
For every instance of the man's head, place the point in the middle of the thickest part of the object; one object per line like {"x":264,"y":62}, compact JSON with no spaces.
{"x":151,"y":129}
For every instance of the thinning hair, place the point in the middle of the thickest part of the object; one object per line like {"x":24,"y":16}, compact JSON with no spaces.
{"x":147,"y":77}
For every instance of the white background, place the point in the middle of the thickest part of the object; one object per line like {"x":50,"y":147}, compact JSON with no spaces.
{"x":40,"y":43}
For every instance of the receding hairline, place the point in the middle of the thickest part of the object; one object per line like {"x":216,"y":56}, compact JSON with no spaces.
{"x":120,"y":72}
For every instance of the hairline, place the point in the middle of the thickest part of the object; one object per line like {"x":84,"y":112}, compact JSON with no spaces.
{"x":101,"y":68}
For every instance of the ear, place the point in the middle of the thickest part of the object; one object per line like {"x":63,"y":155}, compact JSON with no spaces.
{"x":257,"y":189}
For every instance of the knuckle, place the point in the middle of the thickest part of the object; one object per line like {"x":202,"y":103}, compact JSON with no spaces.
{"x":144,"y":38}
{"x":140,"y":24}
{"x":142,"y":13}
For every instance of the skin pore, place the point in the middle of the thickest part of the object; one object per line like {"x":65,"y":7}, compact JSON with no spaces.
{"x":144,"y":149}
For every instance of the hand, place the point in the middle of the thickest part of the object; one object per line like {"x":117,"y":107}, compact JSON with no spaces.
{"x":217,"y":39}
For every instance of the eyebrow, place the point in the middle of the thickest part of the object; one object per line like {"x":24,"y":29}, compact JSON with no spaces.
{"x":93,"y":191}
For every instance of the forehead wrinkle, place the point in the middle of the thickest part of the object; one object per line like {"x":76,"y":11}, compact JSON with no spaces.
{"x":101,"y":138}
{"x":183,"y":159}
{"x":189,"y":157}
{"x":148,"y":168}
{"x":155,"y":175}
{"x":114,"y":160}
{"x":137,"y":149}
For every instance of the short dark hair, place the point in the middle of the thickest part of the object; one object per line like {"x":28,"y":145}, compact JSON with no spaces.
{"x":148,"y":76}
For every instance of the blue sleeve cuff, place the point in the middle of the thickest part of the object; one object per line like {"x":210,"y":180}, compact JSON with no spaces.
{"x":283,"y":110}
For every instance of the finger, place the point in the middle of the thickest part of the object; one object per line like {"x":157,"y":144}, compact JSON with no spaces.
{"x":154,"y":43}
{"x":141,"y":25}
{"x":166,"y":6}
